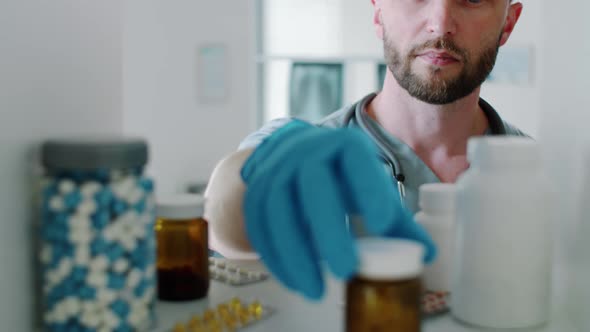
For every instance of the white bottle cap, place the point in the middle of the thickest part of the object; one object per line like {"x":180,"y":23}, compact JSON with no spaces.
{"x":389,"y":258}
{"x":438,"y":197}
{"x":180,"y":206}
{"x":502,"y":152}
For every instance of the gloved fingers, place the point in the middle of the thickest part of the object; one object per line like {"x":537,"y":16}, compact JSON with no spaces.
{"x":294,"y":147}
{"x":260,"y":171}
{"x":406,"y":227}
{"x":370,"y":190}
{"x":257,"y":227}
{"x":324,"y":211}
{"x":276,"y":140}
{"x":291,"y":239}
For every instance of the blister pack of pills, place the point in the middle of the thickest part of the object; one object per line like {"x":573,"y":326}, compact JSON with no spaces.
{"x":223,"y":271}
{"x":434,"y":303}
{"x":231,"y":315}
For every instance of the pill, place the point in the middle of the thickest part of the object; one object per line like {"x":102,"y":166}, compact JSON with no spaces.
{"x":90,"y":188}
{"x":121,"y":265}
{"x":179,"y":327}
{"x":256,"y":309}
{"x":56,"y":204}
{"x":223,"y":307}
{"x":110,"y":319}
{"x":65,"y":266}
{"x":66,"y":186}
{"x":221,"y":277}
{"x":87,"y":207}
{"x":194,"y":322}
{"x":106,"y":296}
{"x":82,"y":255}
{"x":72,"y":306}
{"x":99,"y":263}
{"x":234,"y":280}
{"x":133,"y":278}
{"x":208,"y":315}
{"x":244,"y":316}
{"x":46,"y":254}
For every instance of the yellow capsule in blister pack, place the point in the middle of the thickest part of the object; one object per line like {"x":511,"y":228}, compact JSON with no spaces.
{"x":255,"y":309}
{"x":244,"y":316}
{"x":214,"y":326}
{"x":197,"y":328}
{"x":235,"y":304}
{"x":195,"y":323}
{"x":227,"y":316}
{"x":179,"y":327}
{"x":208,"y":316}
{"x":222,"y":307}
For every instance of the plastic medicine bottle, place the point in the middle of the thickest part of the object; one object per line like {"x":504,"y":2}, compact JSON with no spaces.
{"x":182,"y":254}
{"x":96,"y":239}
{"x":385,"y":293}
{"x":437,"y":215}
{"x":502,"y":266}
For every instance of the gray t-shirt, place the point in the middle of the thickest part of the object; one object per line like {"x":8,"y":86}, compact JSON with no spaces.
{"x":415,"y":171}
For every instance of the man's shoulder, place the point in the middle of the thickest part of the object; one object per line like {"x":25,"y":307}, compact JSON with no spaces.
{"x":336,"y":119}
{"x":333,"y":120}
{"x":496,"y":123}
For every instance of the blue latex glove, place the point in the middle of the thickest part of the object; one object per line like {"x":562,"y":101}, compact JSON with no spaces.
{"x":301,"y":182}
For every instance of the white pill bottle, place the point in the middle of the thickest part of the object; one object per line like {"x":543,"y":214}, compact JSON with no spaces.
{"x":437,"y":216}
{"x":501,"y":274}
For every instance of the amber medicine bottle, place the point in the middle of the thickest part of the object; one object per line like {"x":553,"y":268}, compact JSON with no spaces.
{"x":385,"y":293}
{"x":182,"y":254}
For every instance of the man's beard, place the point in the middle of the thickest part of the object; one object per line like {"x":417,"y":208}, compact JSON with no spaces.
{"x":438,"y":90}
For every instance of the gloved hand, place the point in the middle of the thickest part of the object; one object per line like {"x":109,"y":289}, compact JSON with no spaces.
{"x":301,"y":182}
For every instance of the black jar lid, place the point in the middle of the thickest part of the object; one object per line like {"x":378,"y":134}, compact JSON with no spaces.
{"x":89,"y":153}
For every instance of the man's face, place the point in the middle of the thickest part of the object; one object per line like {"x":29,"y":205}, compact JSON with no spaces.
{"x":442,"y":50}
{"x":429,"y":82}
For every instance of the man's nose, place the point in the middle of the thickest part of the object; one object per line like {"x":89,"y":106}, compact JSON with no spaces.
{"x":441,"y":21}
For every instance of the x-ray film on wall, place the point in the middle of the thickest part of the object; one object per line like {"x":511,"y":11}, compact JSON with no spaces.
{"x":315,"y":90}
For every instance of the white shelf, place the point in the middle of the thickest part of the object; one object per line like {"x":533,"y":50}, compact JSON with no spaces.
{"x":294,"y":314}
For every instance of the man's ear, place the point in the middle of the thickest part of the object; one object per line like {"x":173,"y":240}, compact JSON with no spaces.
{"x":377,"y":18}
{"x":513,"y":15}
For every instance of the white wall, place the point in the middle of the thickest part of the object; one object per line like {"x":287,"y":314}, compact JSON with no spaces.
{"x":565,"y":137}
{"x":187,"y":136}
{"x":295,"y":27}
{"x":359,"y":40}
{"x":520,"y":104}
{"x":60,"y":74}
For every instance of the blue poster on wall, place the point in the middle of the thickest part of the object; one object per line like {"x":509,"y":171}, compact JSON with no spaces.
{"x":315,"y":90}
{"x":514,"y":66}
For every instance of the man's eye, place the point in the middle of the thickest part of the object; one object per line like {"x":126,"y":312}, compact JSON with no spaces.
{"x":474,"y":1}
